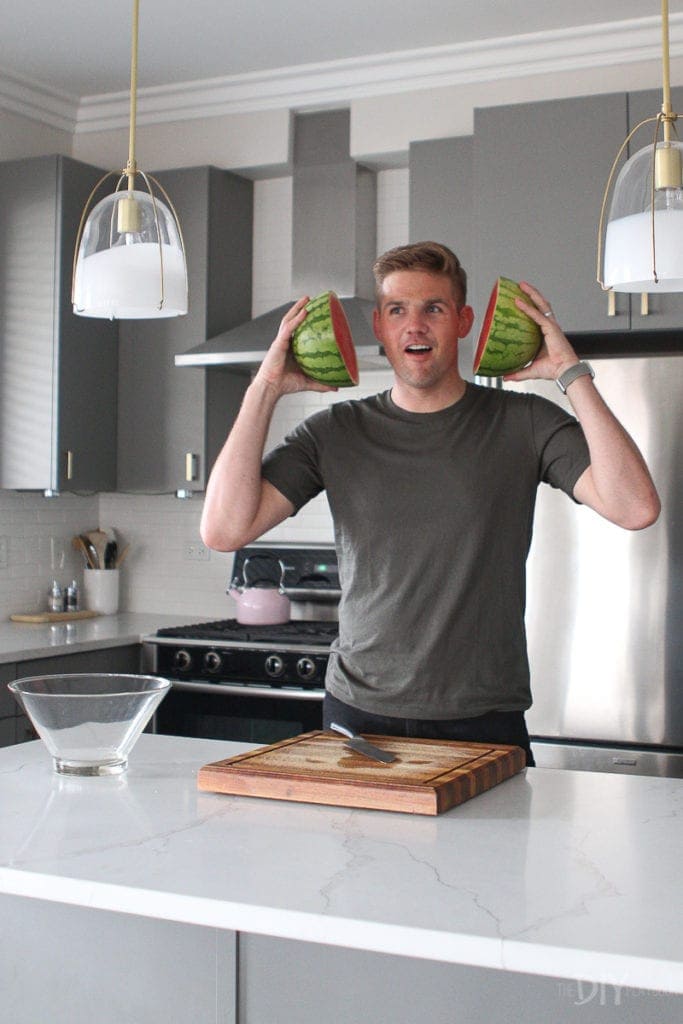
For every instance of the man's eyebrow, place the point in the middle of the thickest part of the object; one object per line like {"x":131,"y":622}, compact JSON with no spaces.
{"x":440,"y":299}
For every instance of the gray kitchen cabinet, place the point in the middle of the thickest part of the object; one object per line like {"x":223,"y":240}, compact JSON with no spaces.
{"x":664,"y":309}
{"x":8,"y":706}
{"x":15,"y":726}
{"x":109,"y":967}
{"x":441,"y":192}
{"x":58,"y":380}
{"x":103,"y":659}
{"x":172,"y":420}
{"x":540,"y":171}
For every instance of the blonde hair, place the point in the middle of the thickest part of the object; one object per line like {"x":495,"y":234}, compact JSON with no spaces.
{"x":431,"y":257}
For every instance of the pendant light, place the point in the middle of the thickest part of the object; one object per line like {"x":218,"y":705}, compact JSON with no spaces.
{"x":129,"y":261}
{"x":643,"y":249}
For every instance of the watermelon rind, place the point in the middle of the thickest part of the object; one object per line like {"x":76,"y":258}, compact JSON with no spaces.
{"x":315,"y":346}
{"x":509,"y":339}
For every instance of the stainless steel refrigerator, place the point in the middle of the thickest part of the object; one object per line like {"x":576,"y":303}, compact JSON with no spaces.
{"x":605,"y":605}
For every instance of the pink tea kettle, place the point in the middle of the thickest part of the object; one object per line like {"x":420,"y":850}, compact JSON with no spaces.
{"x":263,"y":603}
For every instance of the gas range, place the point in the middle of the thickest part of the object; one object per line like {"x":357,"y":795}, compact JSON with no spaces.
{"x":291,"y":654}
{"x":229,"y":654}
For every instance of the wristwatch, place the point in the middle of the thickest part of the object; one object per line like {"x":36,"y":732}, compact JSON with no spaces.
{"x":569,"y":376}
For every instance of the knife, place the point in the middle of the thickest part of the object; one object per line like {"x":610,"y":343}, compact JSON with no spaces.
{"x":361,"y":746}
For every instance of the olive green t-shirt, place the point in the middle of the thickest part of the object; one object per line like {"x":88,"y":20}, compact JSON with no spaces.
{"x":432,"y":519}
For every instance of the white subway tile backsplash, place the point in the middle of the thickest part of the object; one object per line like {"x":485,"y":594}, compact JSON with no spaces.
{"x":158,"y":576}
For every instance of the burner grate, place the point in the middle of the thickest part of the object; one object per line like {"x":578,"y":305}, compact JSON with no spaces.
{"x":314,"y":632}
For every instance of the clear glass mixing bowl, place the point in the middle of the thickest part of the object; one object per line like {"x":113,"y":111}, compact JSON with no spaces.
{"x":90,"y":722}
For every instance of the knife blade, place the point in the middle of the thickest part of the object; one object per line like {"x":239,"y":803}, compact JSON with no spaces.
{"x":362,"y":746}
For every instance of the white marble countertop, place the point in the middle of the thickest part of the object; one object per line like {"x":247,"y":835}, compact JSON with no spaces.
{"x":20,"y":641}
{"x":567,"y":874}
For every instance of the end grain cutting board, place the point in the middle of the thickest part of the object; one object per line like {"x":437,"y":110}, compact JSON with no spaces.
{"x":427,"y":777}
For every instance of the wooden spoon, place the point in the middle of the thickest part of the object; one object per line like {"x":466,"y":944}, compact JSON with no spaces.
{"x":120,"y":558}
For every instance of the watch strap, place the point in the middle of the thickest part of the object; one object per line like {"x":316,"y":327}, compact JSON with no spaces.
{"x":581,"y":369}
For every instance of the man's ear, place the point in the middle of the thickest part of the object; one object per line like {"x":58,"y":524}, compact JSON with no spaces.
{"x":376,"y":324}
{"x":466,"y":320}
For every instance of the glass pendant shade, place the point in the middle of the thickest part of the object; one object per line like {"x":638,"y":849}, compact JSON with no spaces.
{"x":632,"y":263}
{"x":130,"y":262}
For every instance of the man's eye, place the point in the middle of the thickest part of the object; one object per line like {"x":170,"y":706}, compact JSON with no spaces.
{"x":434,"y":308}
{"x":393,"y":310}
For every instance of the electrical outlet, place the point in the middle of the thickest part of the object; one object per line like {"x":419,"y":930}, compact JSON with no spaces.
{"x":197,"y":552}
{"x":4,"y":556}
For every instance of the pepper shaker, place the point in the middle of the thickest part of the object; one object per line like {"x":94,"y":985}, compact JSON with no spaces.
{"x":71,"y":602}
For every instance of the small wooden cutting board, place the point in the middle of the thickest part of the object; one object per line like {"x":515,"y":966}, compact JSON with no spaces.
{"x":427,"y":777}
{"x":52,"y":616}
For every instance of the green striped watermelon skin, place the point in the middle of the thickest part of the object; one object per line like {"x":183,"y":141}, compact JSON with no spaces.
{"x":322,"y":344}
{"x":509,"y":339}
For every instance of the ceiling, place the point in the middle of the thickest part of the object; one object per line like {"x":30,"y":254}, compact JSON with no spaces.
{"x":81,"y":48}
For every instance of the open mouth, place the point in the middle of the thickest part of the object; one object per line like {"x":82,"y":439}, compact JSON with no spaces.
{"x":418,"y":349}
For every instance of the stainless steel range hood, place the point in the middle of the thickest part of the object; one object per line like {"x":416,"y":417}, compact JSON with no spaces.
{"x":333,"y":245}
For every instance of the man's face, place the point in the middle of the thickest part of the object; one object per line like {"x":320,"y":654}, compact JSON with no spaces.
{"x":419,"y":321}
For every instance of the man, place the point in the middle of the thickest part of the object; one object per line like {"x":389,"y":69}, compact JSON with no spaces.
{"x":431,"y":487}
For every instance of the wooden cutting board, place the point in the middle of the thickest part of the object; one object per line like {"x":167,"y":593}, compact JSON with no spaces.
{"x":428,"y":776}
{"x":52,"y":616}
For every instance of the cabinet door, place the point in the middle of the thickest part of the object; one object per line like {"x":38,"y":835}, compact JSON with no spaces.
{"x":85,"y":439}
{"x":441,"y":195}
{"x":9,"y":709}
{"x":28,"y":225}
{"x":164,"y":410}
{"x":663,"y":310}
{"x":58,"y":378}
{"x":540,"y":171}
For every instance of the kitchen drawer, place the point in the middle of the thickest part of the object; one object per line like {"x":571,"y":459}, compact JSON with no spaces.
{"x":110,"y":659}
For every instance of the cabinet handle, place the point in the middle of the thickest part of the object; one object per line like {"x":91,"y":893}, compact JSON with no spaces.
{"x":644,"y":304}
{"x":69,"y":465}
{"x":191,"y":466}
{"x":611,"y":303}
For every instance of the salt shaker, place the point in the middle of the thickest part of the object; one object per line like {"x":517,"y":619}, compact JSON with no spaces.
{"x":55,"y":598}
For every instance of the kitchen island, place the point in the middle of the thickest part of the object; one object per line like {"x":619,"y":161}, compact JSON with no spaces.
{"x":558,"y":892}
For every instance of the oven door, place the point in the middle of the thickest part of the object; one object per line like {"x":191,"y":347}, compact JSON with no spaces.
{"x":250,"y":714}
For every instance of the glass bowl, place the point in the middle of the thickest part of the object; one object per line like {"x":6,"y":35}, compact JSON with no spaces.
{"x":90,"y":722}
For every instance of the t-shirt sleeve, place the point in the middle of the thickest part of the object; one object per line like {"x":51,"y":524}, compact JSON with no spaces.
{"x":293,"y":466}
{"x":561,"y":445}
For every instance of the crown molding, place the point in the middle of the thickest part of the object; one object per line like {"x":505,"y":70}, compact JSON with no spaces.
{"x":38,"y":102}
{"x":341,"y":81}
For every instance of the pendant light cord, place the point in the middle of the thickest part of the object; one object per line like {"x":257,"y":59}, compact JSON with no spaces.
{"x":131,"y":167}
{"x":666,"y":82}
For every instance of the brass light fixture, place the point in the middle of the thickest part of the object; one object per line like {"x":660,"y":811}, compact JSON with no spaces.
{"x":129,"y":261}
{"x":643,"y":249}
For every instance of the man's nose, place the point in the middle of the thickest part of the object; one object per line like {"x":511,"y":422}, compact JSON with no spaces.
{"x":416,"y":320}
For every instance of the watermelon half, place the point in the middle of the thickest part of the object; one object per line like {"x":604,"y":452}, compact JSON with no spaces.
{"x":322,"y":344}
{"x":509,"y":339}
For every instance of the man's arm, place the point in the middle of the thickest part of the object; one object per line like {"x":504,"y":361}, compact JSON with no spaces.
{"x":239,"y":505}
{"x":617,"y":484}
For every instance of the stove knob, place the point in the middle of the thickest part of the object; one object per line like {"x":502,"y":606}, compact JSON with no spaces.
{"x":274,"y":665}
{"x":212,"y":661}
{"x":305,"y":668}
{"x":182,"y":660}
